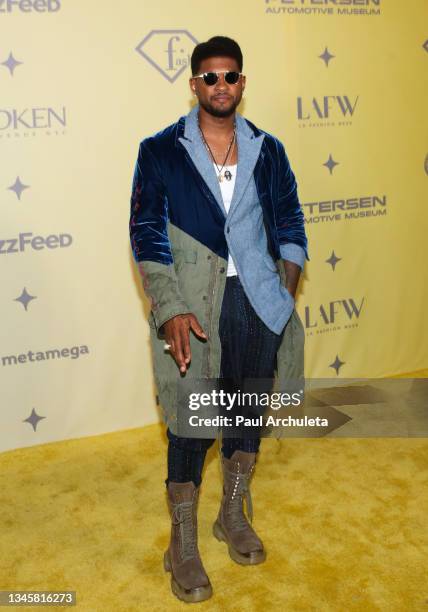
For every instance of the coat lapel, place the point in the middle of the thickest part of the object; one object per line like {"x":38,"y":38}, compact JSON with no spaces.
{"x":248,"y":152}
{"x":249,"y":147}
{"x":193,"y":143}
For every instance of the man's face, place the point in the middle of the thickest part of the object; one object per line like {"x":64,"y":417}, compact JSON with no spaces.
{"x":221,"y":99}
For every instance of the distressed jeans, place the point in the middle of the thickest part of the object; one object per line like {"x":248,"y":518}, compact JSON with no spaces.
{"x":248,"y":350}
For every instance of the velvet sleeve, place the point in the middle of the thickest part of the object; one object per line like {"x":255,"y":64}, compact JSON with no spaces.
{"x":149,"y":205}
{"x":149,"y":239}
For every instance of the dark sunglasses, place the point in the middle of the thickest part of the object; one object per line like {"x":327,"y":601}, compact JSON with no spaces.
{"x":210,"y":78}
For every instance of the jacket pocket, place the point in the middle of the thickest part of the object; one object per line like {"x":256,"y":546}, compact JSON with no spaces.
{"x":190,"y":256}
{"x":182,"y":257}
{"x":266,"y":258}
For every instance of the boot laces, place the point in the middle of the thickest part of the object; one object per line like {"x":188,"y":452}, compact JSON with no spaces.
{"x":183,"y":515}
{"x":240,"y":491}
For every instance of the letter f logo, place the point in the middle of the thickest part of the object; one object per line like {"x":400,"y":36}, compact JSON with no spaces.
{"x":170,"y":52}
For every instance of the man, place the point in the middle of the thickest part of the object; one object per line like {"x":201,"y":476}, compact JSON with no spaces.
{"x":217,"y":230}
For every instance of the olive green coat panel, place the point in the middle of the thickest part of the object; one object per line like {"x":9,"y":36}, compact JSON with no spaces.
{"x":195,"y":283}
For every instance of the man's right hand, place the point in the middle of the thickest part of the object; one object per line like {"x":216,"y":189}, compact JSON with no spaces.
{"x":177,"y":332}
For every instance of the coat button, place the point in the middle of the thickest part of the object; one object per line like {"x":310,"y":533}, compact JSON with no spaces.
{"x":208,"y":256}
{"x":222,"y":270}
{"x":204,"y":297}
{"x":228,"y":230}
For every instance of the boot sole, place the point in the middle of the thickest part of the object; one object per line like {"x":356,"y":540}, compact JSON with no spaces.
{"x":189,"y":596}
{"x":254,"y":558}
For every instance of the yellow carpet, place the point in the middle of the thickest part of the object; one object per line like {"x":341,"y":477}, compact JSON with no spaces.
{"x":344,"y":522}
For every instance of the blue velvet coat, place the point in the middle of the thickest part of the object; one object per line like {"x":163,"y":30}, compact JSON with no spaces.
{"x":264,"y":222}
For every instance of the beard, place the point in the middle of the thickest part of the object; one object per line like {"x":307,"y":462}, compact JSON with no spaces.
{"x":220,"y":112}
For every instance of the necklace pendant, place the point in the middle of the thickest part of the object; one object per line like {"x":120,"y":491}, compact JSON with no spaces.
{"x":220,"y":178}
{"x":228,"y":175}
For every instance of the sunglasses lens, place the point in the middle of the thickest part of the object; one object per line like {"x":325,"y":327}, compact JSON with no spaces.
{"x":231,"y":77}
{"x":210,"y":78}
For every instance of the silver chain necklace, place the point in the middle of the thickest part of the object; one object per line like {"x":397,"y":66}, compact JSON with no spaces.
{"x":227,"y":175}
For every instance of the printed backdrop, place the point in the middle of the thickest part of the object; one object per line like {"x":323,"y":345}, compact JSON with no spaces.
{"x":342,"y":83}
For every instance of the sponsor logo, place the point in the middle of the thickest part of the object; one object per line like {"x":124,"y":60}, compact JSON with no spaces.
{"x":333,"y":316}
{"x":26,"y":241}
{"x":336,"y":110}
{"x":30,"y":6}
{"x":73,"y":352}
{"x":329,"y":211}
{"x":28,"y":122}
{"x":325,"y":8}
{"x":168,"y":51}
{"x":32,"y":118}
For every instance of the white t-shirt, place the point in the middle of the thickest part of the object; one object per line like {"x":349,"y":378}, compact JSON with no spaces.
{"x":227,"y":188}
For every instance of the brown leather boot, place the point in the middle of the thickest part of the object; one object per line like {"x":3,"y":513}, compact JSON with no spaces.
{"x":232,"y":526}
{"x":189,"y":581}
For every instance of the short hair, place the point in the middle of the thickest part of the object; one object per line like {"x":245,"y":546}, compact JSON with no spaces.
{"x":217,"y":46}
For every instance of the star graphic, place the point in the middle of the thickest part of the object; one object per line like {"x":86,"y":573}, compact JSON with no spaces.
{"x":11,"y":63}
{"x":337,"y":364}
{"x":25,"y":298}
{"x":332,"y":260}
{"x":18,"y":187}
{"x":33,"y":419}
{"x":326,"y":56}
{"x":425,"y":45}
{"x":330,"y":164}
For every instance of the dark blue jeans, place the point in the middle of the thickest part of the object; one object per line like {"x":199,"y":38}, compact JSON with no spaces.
{"x":248,"y":350}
